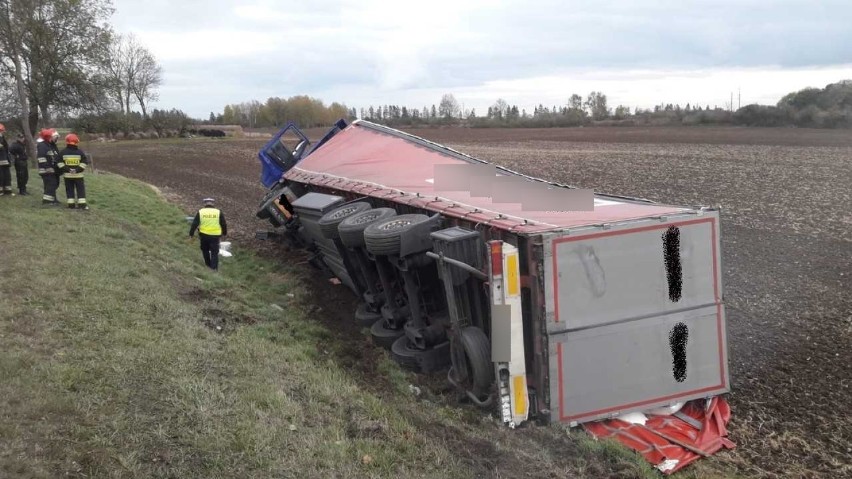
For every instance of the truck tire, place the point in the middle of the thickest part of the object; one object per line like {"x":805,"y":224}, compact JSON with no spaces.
{"x":329,"y":222}
{"x":383,"y":239}
{"x":351,"y":230}
{"x":384,"y":337}
{"x":477,"y":360}
{"x":364,"y":317}
{"x":427,"y":361}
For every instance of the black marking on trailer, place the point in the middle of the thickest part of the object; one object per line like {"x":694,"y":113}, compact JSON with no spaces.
{"x":674,"y":272}
{"x":678,"y":337}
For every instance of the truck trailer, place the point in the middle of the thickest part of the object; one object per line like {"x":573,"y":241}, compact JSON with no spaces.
{"x":543,"y":312}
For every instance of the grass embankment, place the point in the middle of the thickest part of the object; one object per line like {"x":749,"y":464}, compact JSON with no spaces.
{"x":122,"y":356}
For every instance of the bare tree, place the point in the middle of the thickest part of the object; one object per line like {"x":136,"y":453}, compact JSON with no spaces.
{"x":132,"y":74}
{"x":449,"y":107}
{"x":500,"y":108}
{"x":119,"y":72}
{"x":575,"y":102}
{"x":149,"y":76}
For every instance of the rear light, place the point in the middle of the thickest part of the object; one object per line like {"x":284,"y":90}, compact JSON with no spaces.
{"x":496,"y":258}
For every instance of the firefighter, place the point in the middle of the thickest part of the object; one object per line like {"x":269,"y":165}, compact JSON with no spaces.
{"x":18,"y":150}
{"x":211,"y":226}
{"x":5,"y":165}
{"x":72,"y":164}
{"x":47,"y":156}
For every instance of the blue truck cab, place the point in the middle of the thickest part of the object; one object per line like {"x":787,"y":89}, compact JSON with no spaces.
{"x":286,"y":149}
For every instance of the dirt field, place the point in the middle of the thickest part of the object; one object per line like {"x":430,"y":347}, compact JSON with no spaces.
{"x":786,"y":245}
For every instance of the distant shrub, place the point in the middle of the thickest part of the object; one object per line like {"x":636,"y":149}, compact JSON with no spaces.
{"x":211,"y":133}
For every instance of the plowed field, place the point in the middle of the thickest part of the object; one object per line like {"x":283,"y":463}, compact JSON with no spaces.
{"x":786,"y":244}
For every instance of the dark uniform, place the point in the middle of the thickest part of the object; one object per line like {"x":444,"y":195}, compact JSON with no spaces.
{"x":5,"y":167}
{"x":72,"y":164}
{"x":18,"y":150}
{"x":211,"y":226}
{"x":48,"y":154}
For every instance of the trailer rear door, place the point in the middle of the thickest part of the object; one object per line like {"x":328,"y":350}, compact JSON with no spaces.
{"x":635,"y":317}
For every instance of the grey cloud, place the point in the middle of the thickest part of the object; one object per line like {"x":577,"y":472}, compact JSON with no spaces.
{"x":510,"y":41}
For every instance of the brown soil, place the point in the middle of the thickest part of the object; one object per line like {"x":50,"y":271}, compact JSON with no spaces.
{"x":786,"y":245}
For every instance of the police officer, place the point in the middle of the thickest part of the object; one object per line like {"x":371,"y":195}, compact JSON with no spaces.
{"x":72,"y":163}
{"x":18,"y":150}
{"x":5,"y":165}
{"x":210,"y":223}
{"x":48,"y":154}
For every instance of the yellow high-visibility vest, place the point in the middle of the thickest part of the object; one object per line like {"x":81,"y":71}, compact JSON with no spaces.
{"x":209,"y":224}
{"x":72,"y":161}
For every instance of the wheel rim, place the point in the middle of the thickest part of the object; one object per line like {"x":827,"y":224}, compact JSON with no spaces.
{"x":395,"y":224}
{"x":342,"y":213}
{"x":366,"y":218}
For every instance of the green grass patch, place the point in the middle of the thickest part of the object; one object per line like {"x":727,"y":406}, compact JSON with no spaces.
{"x":121,"y":355}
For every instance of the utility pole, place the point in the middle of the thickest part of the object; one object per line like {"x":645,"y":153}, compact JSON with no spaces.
{"x":739,"y":98}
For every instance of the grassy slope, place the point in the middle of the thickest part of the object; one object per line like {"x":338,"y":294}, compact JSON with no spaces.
{"x":112,"y":365}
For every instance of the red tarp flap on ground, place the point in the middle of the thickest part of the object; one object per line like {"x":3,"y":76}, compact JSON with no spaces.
{"x":671,"y":443}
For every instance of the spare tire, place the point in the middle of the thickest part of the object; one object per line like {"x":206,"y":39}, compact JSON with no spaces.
{"x":329,"y":222}
{"x":351,"y":230}
{"x":383,"y":239}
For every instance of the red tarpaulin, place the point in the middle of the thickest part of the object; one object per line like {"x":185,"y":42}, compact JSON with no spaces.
{"x":363,"y":160}
{"x":672,"y":442}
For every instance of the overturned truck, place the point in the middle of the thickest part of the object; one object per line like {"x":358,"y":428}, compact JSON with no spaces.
{"x":540,"y":312}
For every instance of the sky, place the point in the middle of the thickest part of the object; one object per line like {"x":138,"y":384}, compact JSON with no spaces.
{"x":640,"y":53}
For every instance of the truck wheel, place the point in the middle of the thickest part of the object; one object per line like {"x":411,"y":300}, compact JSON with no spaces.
{"x":476,"y":361}
{"x":364,"y":317}
{"x":427,"y":361}
{"x":404,"y":355}
{"x":329,"y":222}
{"x":383,"y":239}
{"x":384,"y":337}
{"x":351,"y":230}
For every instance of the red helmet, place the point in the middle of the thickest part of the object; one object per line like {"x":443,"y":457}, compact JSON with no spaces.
{"x":71,"y":139}
{"x":2,"y":128}
{"x":47,"y":134}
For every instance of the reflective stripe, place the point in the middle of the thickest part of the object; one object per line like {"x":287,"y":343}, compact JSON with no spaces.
{"x":73,"y":175}
{"x":42,"y":160}
{"x":71,"y":160}
{"x":71,"y":201}
{"x":81,"y":201}
{"x":47,"y":197}
{"x":209,"y":223}
{"x":60,"y":164}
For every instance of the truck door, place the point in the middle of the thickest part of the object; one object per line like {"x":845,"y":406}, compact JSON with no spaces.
{"x":635,"y":317}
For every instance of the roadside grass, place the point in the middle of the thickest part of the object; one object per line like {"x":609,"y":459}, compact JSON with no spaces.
{"x":122,"y":356}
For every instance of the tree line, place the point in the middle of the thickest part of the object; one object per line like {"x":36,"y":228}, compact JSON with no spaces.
{"x":829,"y":107}
{"x":305,"y":111}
